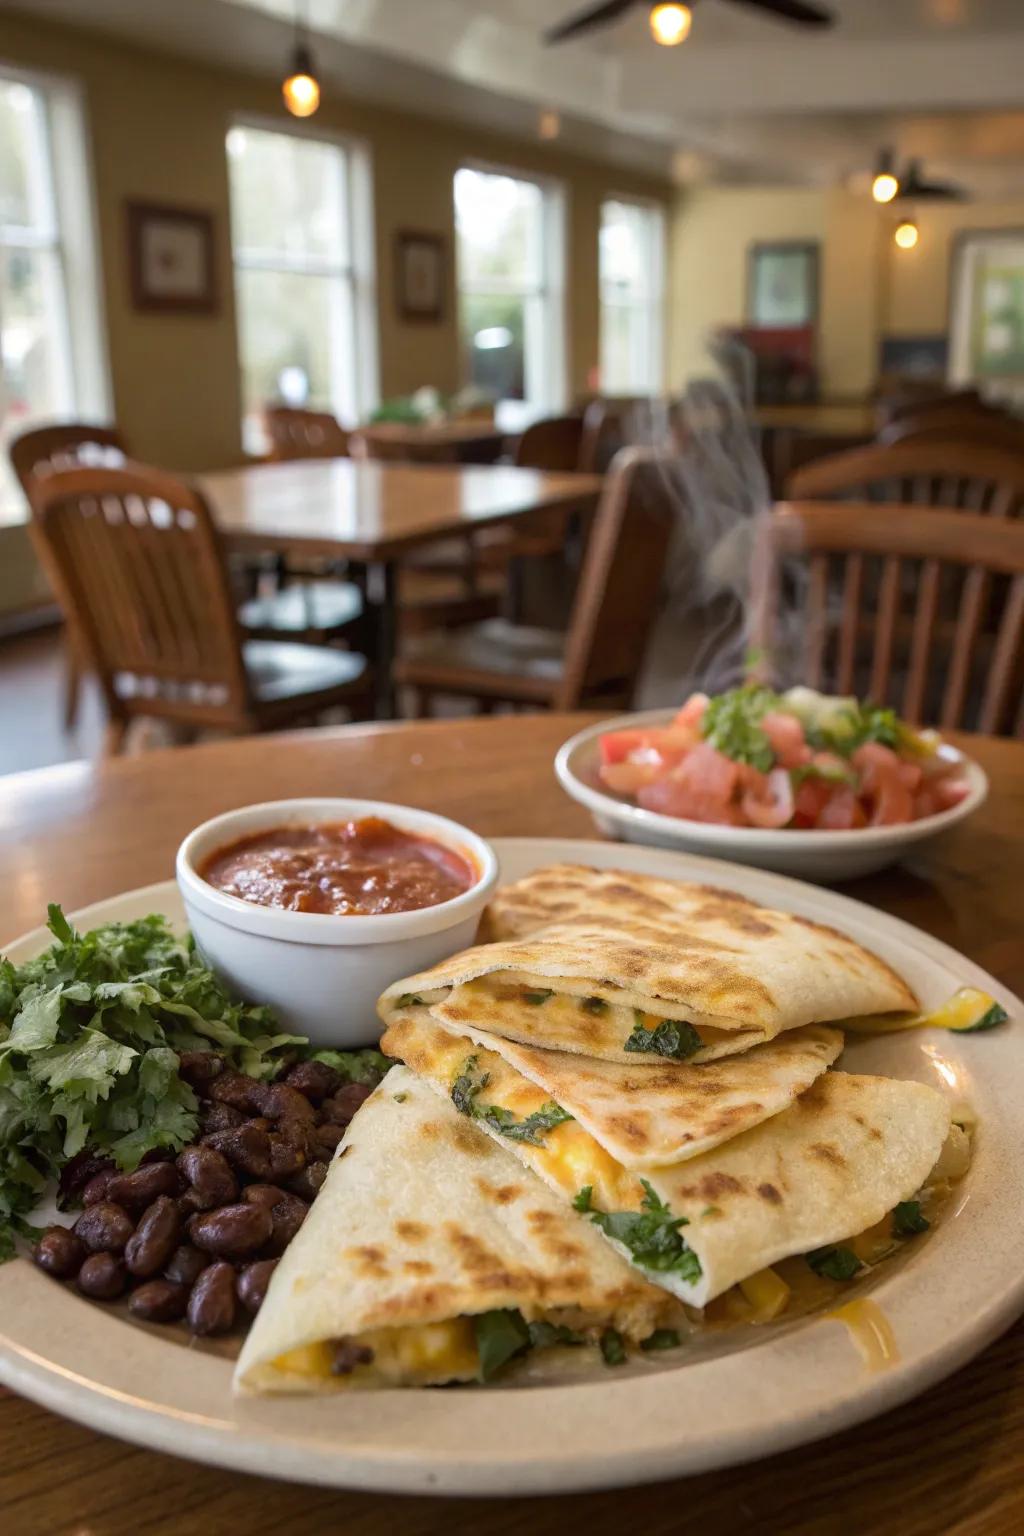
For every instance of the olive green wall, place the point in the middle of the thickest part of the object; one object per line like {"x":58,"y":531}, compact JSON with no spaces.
{"x":158,"y":125}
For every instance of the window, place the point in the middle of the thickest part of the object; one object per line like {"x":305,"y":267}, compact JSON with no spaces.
{"x":50,"y":312}
{"x":632,"y":297}
{"x":301,"y":232}
{"x":510,"y":239}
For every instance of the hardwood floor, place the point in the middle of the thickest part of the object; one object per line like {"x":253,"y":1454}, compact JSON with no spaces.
{"x":32,"y":704}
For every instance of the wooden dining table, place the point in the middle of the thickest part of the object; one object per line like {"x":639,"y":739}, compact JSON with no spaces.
{"x":374,"y":514}
{"x":950,"y":1463}
{"x":464,"y":440}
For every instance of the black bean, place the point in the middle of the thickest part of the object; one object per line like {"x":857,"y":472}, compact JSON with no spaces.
{"x":339,"y":1109}
{"x":247,"y":1149}
{"x":159,"y":1301}
{"x":346,"y":1354}
{"x":185,"y":1264}
{"x":209,"y":1173}
{"x":77,"y":1172}
{"x":233,"y":1231}
{"x":285,"y":1158}
{"x":315,"y":1079}
{"x":241,"y":1092}
{"x":97,"y":1187}
{"x":281,"y":1100}
{"x":252,"y":1283}
{"x":60,"y":1252}
{"x":287,"y":1216}
{"x":137,"y":1190}
{"x":262,"y":1194}
{"x":328,"y":1136}
{"x":199,"y":1068}
{"x":300,"y":1134}
{"x":102,"y":1276}
{"x":154,"y":1239}
{"x":104,"y":1227}
{"x":306,"y":1183}
{"x":220,"y":1117}
{"x":211,"y":1306}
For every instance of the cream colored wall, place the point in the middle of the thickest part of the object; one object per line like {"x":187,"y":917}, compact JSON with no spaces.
{"x":158,"y":125}
{"x":917,"y":298}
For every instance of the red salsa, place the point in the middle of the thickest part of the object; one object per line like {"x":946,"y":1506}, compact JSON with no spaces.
{"x":354,"y":867}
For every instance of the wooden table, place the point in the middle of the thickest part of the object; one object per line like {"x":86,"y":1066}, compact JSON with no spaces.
{"x":851,"y":420}
{"x":375,"y":513}
{"x":949,"y":1463}
{"x":464,"y":441}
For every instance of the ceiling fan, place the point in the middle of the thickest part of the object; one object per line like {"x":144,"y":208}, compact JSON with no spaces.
{"x":890,"y":184}
{"x":804,"y":12}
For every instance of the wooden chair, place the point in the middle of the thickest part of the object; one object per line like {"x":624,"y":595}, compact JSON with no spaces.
{"x":606,"y":429}
{"x":553,"y":444}
{"x":135,"y":559}
{"x":968,"y":476}
{"x":597,"y":661}
{"x":42,"y":452}
{"x":885,"y":639}
{"x":922,"y":398}
{"x":988,"y":428}
{"x":300,"y":434}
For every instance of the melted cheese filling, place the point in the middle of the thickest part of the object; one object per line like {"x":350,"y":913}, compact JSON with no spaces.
{"x":964,"y":1011}
{"x":401,"y":1356}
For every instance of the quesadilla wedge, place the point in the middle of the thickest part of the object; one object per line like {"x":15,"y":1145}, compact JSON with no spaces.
{"x":844,"y":1154}
{"x":429,"y":1256}
{"x":628,"y":968}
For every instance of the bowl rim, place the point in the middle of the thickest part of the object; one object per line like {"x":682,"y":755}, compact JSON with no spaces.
{"x":329,"y":928}
{"x":811,"y":839}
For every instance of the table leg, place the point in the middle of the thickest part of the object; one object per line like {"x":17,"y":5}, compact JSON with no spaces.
{"x":381,"y":593}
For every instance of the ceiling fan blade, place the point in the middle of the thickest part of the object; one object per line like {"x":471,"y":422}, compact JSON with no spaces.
{"x":802,"y":11}
{"x":593,"y":16}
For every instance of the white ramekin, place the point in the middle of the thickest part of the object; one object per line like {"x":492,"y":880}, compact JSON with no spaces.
{"x":322,"y":974}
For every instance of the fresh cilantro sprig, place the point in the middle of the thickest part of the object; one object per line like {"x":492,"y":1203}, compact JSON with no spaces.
{"x":652,"y":1235}
{"x":465,"y":1092}
{"x":732,"y":724}
{"x":673,"y":1038}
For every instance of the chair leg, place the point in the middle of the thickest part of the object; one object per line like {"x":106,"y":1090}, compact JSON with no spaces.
{"x":72,"y":682}
{"x":113,"y":737}
{"x":486,"y":706}
{"x":420,"y":702}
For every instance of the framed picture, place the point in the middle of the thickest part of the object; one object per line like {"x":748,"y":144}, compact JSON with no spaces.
{"x":782,"y":284}
{"x":986,"y":310}
{"x":419,"y":275}
{"x":171,"y":259}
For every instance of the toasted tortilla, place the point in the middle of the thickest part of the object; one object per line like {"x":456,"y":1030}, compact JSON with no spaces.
{"x":826,"y":1168}
{"x":422,"y":1224}
{"x":593,"y":961}
{"x":647,"y":1115}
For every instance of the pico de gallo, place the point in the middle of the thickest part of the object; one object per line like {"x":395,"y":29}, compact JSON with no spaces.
{"x":755,"y":758}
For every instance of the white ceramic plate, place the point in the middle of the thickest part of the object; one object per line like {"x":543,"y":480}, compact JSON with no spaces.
{"x":748,"y":1395}
{"x":810,"y":855}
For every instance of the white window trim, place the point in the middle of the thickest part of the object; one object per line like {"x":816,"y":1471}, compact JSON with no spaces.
{"x":361,"y":227}
{"x":657,"y":311}
{"x":75,"y":238}
{"x":546,"y":379}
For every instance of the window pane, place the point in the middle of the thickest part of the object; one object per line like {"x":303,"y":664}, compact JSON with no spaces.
{"x":25,"y":198}
{"x":625,"y":246}
{"x":287,"y":197}
{"x":34,"y":347}
{"x":285,"y":327}
{"x":618,"y":350}
{"x":499,"y":224}
{"x":492,"y":330}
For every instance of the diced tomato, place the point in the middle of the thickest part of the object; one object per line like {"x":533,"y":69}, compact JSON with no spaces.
{"x":770,"y":804}
{"x":811,"y":799}
{"x":666,"y":745}
{"x":616,"y":746}
{"x":786,"y":735}
{"x":692,"y":712}
{"x":700,"y":788}
{"x":842,"y":810}
{"x":882,"y":785}
{"x":911,"y":775}
{"x":627,"y":778}
{"x":949,"y":792}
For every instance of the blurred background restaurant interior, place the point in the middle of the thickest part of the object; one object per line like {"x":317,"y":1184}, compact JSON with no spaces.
{"x":462,"y":373}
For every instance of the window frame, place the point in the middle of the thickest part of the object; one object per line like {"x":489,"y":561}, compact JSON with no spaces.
{"x":75,"y":286}
{"x":652,"y":303}
{"x":357,"y":273}
{"x":545,"y":313}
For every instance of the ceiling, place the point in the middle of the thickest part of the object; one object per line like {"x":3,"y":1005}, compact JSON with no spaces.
{"x":745,"y":98}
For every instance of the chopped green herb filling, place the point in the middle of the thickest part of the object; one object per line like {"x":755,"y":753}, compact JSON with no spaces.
{"x":652,"y":1235}
{"x":613,"y":1350}
{"x":671,"y":1038}
{"x":662,"y":1338}
{"x":465,"y":1093}
{"x":834,"y":1263}
{"x":907,"y":1220}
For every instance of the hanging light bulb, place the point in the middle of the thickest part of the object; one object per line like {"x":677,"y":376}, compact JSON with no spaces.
{"x":906,"y":235}
{"x":670,"y":24}
{"x":549,"y":124}
{"x":885,"y":185}
{"x":301,"y":90}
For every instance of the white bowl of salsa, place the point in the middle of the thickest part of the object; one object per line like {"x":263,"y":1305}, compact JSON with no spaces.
{"x":315,"y":906}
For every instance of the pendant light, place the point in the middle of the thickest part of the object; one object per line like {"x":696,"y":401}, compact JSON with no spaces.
{"x":301,"y":90}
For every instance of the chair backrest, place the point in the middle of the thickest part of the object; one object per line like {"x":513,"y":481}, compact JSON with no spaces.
{"x":298,"y":434}
{"x":606,"y":427}
{"x":958,"y":424}
{"x":968,"y":476}
{"x":922,"y":399}
{"x":867,"y":596}
{"x":65,"y":445}
{"x":553,"y":444}
{"x":136,"y":562}
{"x":616,"y":600}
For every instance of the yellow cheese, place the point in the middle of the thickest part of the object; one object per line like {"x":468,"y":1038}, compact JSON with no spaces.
{"x":967,"y":1010}
{"x":871,"y":1332}
{"x":767,"y":1293}
{"x":437,"y":1351}
{"x":574,"y":1159}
